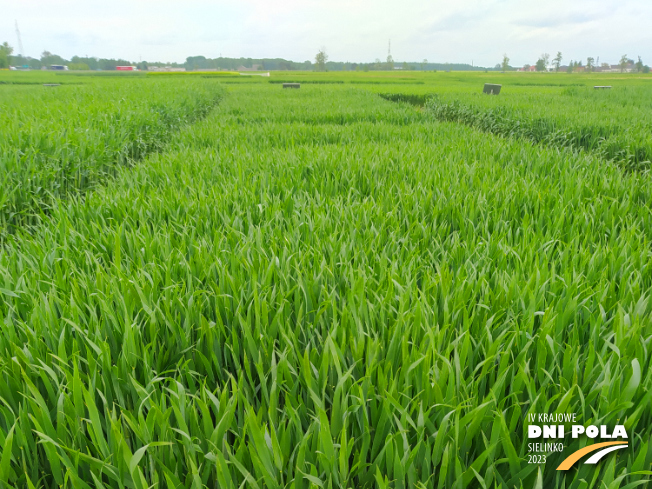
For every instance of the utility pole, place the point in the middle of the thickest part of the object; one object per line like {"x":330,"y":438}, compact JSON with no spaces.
{"x":21,"y":51}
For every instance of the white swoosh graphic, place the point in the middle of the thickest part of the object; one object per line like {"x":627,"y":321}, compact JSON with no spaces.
{"x":596,"y":458}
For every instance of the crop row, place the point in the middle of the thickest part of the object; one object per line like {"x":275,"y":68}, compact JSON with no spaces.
{"x":612,"y":126}
{"x":322,"y":288}
{"x":55,"y":141}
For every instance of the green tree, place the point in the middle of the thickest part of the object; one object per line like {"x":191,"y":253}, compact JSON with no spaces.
{"x":589,"y":64}
{"x":623,"y":63}
{"x":47,"y":59}
{"x":505,"y":64}
{"x":320,"y":60}
{"x":545,"y":59}
{"x":424,"y":64}
{"x":639,"y":65}
{"x":557,"y":60}
{"x":571,"y":66}
{"x":5,"y":52}
{"x":79,"y":66}
{"x":90,"y":62}
{"x":34,"y":64}
{"x":390,"y":62}
{"x":541,"y":64}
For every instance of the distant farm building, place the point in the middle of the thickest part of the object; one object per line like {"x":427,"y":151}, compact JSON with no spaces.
{"x":126,"y":68}
{"x":617,"y":69}
{"x":58,"y":67}
{"x":211,"y":69}
{"x":253,"y":68}
{"x":164,"y":68}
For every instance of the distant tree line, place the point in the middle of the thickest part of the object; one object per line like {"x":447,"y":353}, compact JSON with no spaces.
{"x":321,"y":63}
{"x":7,"y":58}
{"x":75,"y":63}
{"x":544,"y":63}
{"x":195,"y":63}
{"x":411,"y":66}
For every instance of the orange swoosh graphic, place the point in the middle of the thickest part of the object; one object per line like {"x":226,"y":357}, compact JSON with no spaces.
{"x":575,"y":456}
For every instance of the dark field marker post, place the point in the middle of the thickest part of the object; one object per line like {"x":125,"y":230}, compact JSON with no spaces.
{"x":292,"y":85}
{"x":491,"y":89}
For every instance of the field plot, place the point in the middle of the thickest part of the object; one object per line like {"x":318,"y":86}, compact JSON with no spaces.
{"x":615,"y":125}
{"x":556,"y":110}
{"x":323,"y":288}
{"x":58,"y":140}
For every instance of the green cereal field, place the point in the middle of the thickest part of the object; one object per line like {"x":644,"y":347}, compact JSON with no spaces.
{"x":369,"y":282}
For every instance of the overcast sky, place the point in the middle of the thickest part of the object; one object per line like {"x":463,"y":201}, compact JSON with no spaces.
{"x":351,"y":30}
